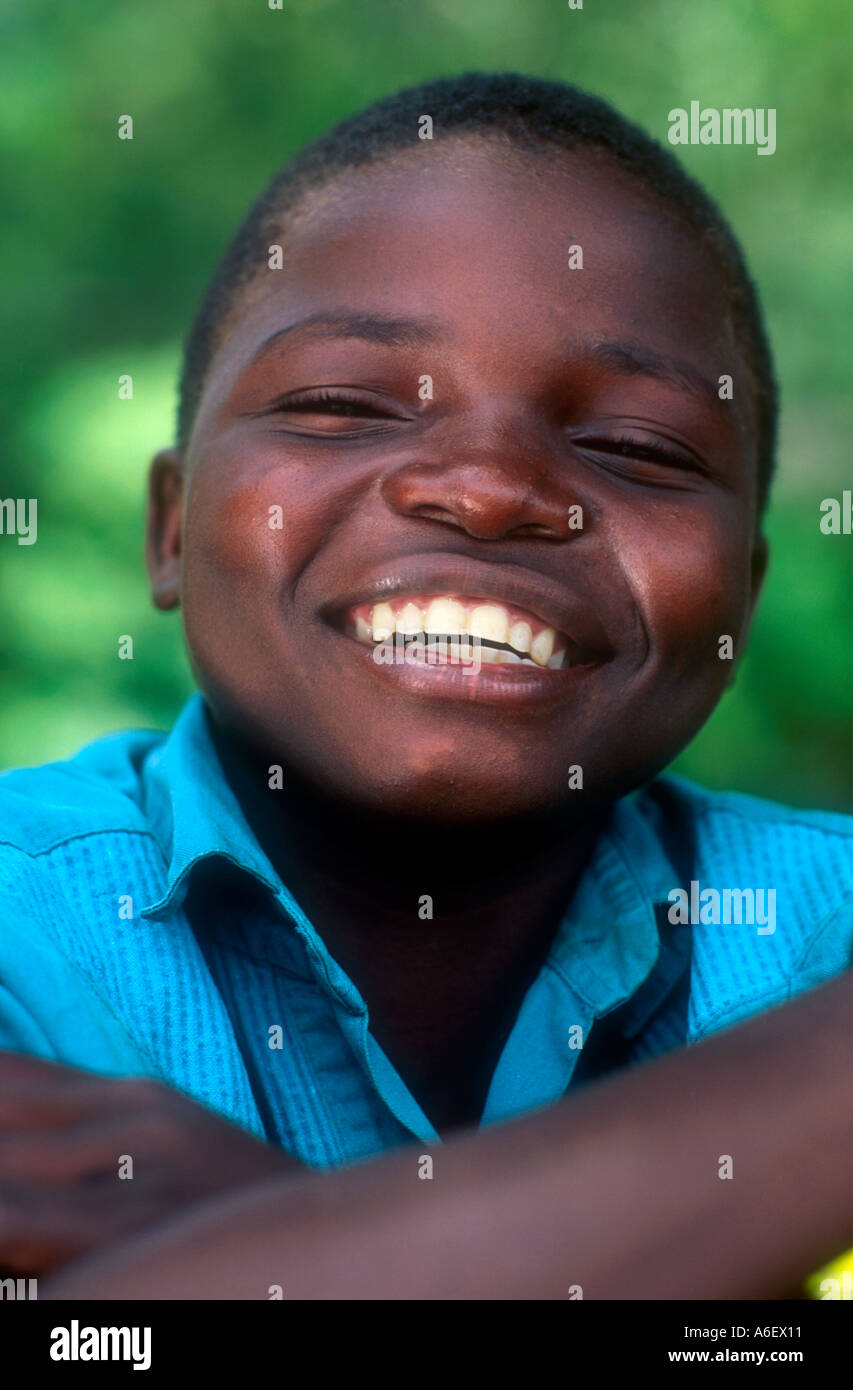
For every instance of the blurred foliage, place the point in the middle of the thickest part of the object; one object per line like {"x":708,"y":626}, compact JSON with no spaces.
{"x":107,"y":244}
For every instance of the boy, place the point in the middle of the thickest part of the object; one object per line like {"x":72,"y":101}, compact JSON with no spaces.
{"x":507,"y":389}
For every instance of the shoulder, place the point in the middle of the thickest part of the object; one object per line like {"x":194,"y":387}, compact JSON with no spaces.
{"x":769,"y":892}
{"x":100,"y":789}
{"x":788,"y":846}
{"x":758,"y":810}
{"x":75,"y":835}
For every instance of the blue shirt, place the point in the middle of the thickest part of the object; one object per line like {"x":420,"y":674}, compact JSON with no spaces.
{"x":144,"y":932}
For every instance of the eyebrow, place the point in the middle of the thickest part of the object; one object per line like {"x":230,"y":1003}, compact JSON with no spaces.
{"x":629,"y":358}
{"x":626,"y":357}
{"x":371,"y":328}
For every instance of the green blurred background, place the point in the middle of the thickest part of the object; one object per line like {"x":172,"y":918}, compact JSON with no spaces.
{"x":107,"y":245}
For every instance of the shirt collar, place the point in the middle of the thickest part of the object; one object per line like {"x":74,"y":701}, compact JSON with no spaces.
{"x":608,"y":942}
{"x":605,"y":948}
{"x":193,"y":811}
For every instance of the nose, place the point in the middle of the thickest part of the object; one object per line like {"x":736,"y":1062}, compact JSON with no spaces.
{"x":494,"y":480}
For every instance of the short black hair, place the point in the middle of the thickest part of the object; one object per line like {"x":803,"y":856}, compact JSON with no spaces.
{"x":530,"y":112}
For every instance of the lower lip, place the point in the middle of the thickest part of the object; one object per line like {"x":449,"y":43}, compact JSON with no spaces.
{"x":493,"y":684}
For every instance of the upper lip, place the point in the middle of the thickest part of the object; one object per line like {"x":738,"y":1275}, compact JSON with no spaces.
{"x":547,"y":599}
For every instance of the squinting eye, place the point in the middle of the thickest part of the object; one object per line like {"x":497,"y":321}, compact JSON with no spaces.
{"x":325,"y":403}
{"x":333,"y":405}
{"x":644,"y":450}
{"x":340,"y":414}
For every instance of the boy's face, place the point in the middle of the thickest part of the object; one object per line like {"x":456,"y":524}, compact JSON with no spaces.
{"x":553,"y":389}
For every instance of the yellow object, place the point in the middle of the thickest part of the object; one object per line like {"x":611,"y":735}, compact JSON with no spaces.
{"x":834,"y":1281}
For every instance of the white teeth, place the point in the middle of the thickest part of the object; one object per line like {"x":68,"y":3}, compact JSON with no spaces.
{"x":542,"y":647}
{"x":448,"y":617}
{"x":410,"y":619}
{"x":520,"y":637}
{"x":489,"y":622}
{"x":513,"y":659}
{"x":383,"y":622}
{"x":463,"y":650}
{"x":445,"y":615}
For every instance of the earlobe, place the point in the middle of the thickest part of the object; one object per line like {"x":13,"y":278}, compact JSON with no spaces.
{"x":758,"y":569}
{"x":165,"y":528}
{"x":760,"y":561}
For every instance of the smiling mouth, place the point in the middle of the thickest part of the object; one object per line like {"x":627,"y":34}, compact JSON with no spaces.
{"x":501,"y":634}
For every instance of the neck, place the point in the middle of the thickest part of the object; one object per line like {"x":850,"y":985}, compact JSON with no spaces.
{"x":387,"y":861}
{"x":442,"y":928}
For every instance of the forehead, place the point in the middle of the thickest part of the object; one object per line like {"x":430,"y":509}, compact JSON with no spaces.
{"x":475,"y":237}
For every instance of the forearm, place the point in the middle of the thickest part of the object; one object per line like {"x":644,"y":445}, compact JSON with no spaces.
{"x":616,"y":1189}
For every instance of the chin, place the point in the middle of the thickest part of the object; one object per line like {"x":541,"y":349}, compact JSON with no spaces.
{"x":453,"y":796}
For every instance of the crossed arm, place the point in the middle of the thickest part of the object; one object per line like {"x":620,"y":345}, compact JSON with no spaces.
{"x":615,"y":1191}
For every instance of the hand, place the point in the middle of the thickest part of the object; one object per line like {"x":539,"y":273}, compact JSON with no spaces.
{"x":63,"y":1133}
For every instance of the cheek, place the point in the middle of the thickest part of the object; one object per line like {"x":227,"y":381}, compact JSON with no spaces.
{"x":689,"y":575}
{"x":246,"y":537}
{"x":240,"y":557}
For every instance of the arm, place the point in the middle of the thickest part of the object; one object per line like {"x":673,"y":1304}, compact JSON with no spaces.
{"x":615,"y":1189}
{"x":68,"y":1138}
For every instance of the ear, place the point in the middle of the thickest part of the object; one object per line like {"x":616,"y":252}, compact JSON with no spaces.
{"x":758,"y":569}
{"x":164,"y":528}
{"x":758,"y":564}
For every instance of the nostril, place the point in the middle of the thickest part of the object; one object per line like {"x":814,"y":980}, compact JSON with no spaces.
{"x":431,"y":512}
{"x":535,"y":528}
{"x":481,"y":500}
